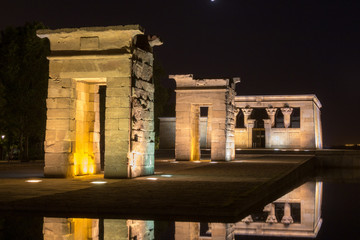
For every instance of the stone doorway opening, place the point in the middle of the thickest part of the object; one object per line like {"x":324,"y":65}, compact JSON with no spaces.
{"x":258,"y":138}
{"x":205,"y":134}
{"x":87,"y":156}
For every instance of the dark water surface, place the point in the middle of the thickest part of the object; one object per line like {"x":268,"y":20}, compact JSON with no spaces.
{"x":340,"y":217}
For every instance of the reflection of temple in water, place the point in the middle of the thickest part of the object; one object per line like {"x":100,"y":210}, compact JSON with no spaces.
{"x":296,"y":214}
{"x":95,"y":229}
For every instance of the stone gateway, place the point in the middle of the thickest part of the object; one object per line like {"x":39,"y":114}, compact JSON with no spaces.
{"x":81,"y":61}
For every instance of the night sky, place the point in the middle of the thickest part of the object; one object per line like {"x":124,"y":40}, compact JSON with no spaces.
{"x":276,"y":47}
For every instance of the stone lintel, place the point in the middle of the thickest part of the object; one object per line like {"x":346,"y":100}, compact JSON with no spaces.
{"x":187,"y":81}
{"x":44,"y":32}
{"x":279,"y":98}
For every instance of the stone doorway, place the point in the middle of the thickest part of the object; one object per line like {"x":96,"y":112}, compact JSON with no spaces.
{"x":258,"y":138}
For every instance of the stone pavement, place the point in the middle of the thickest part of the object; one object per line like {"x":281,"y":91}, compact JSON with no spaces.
{"x":219,"y":191}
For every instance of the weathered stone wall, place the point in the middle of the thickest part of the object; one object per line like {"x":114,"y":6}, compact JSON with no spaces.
{"x":142,"y":132}
{"x":167,"y":132}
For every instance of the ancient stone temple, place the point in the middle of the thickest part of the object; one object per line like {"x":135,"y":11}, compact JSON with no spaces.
{"x":267,"y":121}
{"x":278,"y":121}
{"x":213,"y":98}
{"x":83,"y":61}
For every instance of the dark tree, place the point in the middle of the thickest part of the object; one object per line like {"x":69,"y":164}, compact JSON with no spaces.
{"x":162,"y":104}
{"x":23,"y":79}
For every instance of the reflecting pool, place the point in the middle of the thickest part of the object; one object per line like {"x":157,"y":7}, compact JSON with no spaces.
{"x":314,"y":210}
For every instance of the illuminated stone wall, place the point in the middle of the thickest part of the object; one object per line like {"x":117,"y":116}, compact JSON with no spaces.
{"x":119,"y":57}
{"x":308,"y":135}
{"x":218,"y":96}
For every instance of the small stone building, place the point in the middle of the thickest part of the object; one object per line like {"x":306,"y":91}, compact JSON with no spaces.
{"x":213,"y":97}
{"x":269,"y":121}
{"x":82,"y":61}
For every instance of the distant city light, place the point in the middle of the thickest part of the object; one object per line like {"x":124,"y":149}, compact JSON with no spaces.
{"x":33,"y":181}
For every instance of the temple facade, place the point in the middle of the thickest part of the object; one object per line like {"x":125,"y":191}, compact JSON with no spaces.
{"x":268,"y":121}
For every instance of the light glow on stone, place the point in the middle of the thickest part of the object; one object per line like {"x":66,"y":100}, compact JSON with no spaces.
{"x":152,"y":178}
{"x":167,"y":175}
{"x":33,"y":181}
{"x":83,"y":164}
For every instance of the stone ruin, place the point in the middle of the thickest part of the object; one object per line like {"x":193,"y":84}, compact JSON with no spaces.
{"x":217,"y":97}
{"x":81,"y":61}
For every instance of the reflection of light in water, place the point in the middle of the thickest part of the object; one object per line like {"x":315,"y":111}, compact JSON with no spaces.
{"x":167,"y":175}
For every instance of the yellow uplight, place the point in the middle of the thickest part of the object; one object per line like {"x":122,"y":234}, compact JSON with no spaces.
{"x":83,"y":164}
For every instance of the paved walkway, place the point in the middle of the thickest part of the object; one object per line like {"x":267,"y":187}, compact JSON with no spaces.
{"x":222,"y":191}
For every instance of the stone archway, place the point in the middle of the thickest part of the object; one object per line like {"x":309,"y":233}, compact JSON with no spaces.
{"x":218,"y":96}
{"x":82,"y":59}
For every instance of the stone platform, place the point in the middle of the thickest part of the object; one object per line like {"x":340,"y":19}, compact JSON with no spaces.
{"x":218,"y":191}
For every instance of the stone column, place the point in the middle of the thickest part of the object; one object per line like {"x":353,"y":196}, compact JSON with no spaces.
{"x":267,"y":126}
{"x":271,"y":218}
{"x":219,"y":132}
{"x":271,"y":113}
{"x":187,"y":230}
{"x":247,"y":112}
{"x":287,"y":219}
{"x":221,"y":231}
{"x":250,"y":126}
{"x":60,"y":135}
{"x":287,"y":115}
{"x":117,"y":127}
{"x":195,"y":132}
